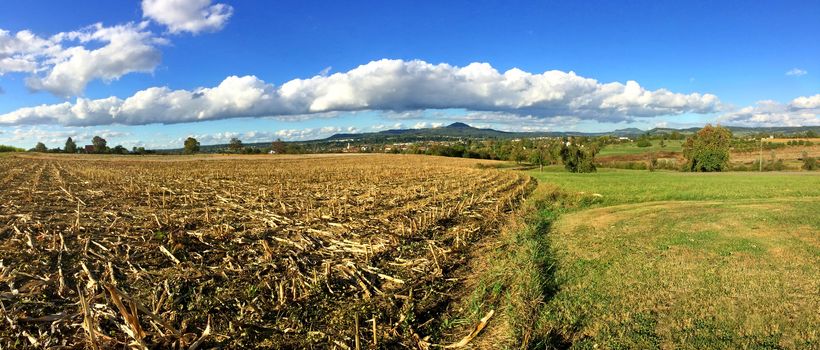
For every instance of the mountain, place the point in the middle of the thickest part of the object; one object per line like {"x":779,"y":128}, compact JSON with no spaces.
{"x":458,"y":125}
{"x":452,"y":131}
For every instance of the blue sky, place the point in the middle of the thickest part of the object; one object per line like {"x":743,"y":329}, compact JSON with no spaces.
{"x":692,"y":62}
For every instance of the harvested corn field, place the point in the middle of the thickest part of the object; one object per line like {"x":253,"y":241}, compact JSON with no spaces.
{"x":329,"y":252}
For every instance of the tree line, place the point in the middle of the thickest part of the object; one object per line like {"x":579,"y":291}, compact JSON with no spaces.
{"x":98,"y":145}
{"x":705,"y":151}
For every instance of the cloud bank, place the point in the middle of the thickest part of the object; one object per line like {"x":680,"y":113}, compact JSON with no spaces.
{"x":384,"y":85}
{"x":801,"y":111}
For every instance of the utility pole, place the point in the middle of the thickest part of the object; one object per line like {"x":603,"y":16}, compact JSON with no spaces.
{"x":760,"y":160}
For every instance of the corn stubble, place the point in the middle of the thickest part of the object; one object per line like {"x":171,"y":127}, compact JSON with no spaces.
{"x":339,"y":252}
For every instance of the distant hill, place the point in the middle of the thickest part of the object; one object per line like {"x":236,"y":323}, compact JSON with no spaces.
{"x":462,"y":131}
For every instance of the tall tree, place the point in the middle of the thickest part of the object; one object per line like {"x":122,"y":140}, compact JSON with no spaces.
{"x":278,"y":146}
{"x":235,"y":144}
{"x":191,"y":146}
{"x":708,"y":149}
{"x":70,"y":146}
{"x":579,"y":156}
{"x":40,"y":147}
{"x":100,"y":144}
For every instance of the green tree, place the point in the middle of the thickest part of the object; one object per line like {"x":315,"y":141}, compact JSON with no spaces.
{"x":40,"y":147}
{"x":100,"y":144}
{"x":540,"y":155}
{"x":70,"y":146}
{"x":579,"y":157}
{"x":708,"y":149}
{"x":191,"y":146}
{"x":235,"y":144}
{"x":278,"y":146}
{"x":119,"y":149}
{"x":518,"y":153}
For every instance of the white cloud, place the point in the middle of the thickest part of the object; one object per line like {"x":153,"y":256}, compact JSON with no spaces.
{"x":127,"y":48}
{"x":67,"y":70}
{"x":23,"y":51}
{"x":796,"y":72}
{"x":800,"y":111}
{"x":65,"y":63}
{"x":324,"y":72}
{"x":382,"y":127}
{"x":385,"y":85}
{"x":806,"y":102}
{"x":193,"y":16}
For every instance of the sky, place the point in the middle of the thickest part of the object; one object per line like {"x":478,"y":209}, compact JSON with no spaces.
{"x":154,"y":72}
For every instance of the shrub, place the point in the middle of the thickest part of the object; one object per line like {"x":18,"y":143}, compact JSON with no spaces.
{"x":771,"y":165}
{"x":4,"y":148}
{"x":809,"y":163}
{"x":643,"y":143}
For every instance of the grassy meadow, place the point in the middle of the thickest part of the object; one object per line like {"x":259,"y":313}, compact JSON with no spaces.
{"x":628,"y":148}
{"x":683,"y":260}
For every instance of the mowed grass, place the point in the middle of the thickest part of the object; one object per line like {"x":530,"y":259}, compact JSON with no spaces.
{"x":676,"y":260}
{"x":637,"y":186}
{"x":632,"y":148}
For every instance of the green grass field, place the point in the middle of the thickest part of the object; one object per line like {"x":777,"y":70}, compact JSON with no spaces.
{"x":684,"y":260}
{"x":631,"y":148}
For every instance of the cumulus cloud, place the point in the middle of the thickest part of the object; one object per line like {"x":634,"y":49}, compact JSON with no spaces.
{"x":23,"y":51}
{"x":801,"y":111}
{"x":126,"y":49}
{"x":796,"y":72}
{"x":806,"y":102}
{"x":385,"y":85}
{"x":63,"y":64}
{"x":192,"y":16}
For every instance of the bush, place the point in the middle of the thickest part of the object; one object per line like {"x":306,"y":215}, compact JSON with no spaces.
{"x":643,"y":143}
{"x":809,"y":163}
{"x":625,"y":165}
{"x":740,"y":167}
{"x":771,"y":165}
{"x":667,"y":164}
{"x":4,"y":148}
